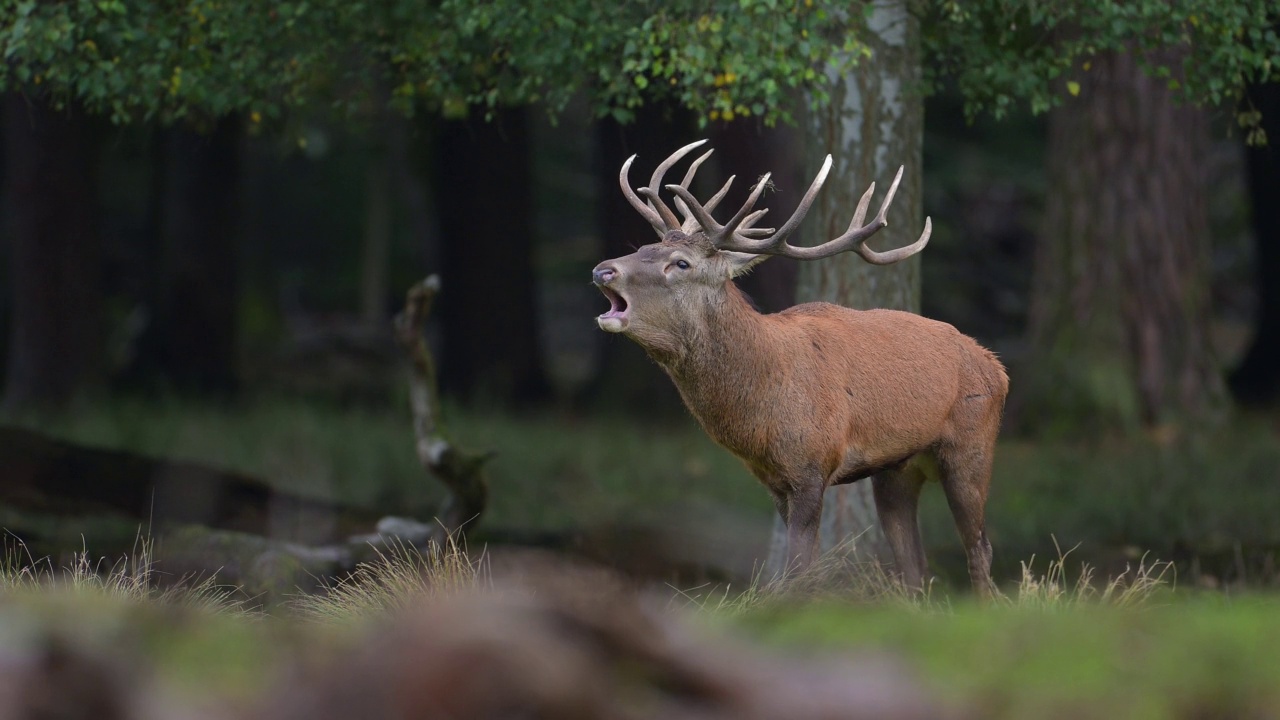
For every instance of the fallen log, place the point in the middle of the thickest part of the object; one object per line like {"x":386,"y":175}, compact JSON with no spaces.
{"x":48,"y":476}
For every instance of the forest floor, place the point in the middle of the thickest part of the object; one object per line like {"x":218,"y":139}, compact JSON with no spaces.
{"x":439,"y":637}
{"x":1206,"y":503}
{"x":1195,"y":638}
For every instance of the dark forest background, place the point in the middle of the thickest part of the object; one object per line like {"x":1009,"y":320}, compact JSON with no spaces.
{"x":207,"y":235}
{"x":215,"y":263}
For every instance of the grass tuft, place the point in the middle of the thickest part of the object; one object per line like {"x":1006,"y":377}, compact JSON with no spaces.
{"x":1054,"y":589}
{"x":839,"y":575}
{"x":396,"y":578}
{"x":131,"y":579}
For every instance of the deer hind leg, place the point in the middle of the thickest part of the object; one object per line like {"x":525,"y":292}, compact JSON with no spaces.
{"x":897,"y":496}
{"x":966,"y":474}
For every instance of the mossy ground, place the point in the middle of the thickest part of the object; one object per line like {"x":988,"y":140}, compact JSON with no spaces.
{"x":1207,"y":503}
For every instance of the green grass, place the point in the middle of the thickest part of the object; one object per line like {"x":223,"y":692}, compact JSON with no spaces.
{"x":1055,"y":649}
{"x":563,"y":472}
{"x":1063,"y":653}
{"x":1190,"y":658}
{"x":549,"y":472}
{"x":122,"y":619}
{"x":128,"y":580}
{"x":356,"y":456}
{"x":1213,"y":496}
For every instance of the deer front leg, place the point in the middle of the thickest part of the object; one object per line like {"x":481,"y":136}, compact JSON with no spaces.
{"x":804,"y":513}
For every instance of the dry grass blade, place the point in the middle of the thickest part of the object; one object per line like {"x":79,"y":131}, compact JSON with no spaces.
{"x":132,"y":579}
{"x":1054,"y":589}
{"x":398,"y":576}
{"x":839,"y":575}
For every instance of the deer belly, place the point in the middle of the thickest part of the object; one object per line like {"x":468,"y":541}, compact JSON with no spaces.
{"x":924,"y":461}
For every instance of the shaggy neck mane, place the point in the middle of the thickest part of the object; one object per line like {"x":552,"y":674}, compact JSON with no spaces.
{"x":726,"y":371}
{"x":726,"y":344}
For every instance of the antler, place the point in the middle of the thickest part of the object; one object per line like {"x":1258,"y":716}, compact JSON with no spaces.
{"x":738,"y":235}
{"x":656,"y":211}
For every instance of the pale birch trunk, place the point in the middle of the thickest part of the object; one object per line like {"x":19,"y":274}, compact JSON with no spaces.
{"x":874,"y":123}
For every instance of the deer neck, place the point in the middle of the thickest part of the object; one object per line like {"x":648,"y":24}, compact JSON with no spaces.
{"x":724,"y":362}
{"x":706,"y":335}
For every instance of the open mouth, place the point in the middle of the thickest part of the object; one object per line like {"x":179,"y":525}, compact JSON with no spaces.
{"x":615,"y":320}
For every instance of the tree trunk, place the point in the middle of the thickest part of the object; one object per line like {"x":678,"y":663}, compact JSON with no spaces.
{"x":375,"y":251}
{"x":1120,"y":303}
{"x":56,"y":337}
{"x":196,"y":329}
{"x":1257,"y":380}
{"x":488,"y":308}
{"x":874,"y":123}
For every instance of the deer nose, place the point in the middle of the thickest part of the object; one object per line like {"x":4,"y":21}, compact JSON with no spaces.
{"x":603,"y":274}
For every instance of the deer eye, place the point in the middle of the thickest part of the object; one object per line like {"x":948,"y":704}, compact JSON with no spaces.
{"x":682,"y":264}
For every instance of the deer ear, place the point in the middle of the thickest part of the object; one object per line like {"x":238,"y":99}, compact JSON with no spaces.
{"x":740,"y":263}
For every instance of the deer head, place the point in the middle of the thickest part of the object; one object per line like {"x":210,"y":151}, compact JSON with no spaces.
{"x":665,"y":291}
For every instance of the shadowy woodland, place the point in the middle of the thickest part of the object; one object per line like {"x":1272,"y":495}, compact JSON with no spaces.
{"x":218,"y":339}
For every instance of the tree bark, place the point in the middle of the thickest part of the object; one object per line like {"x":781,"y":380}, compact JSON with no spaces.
{"x":375,"y":251}
{"x":1256,"y":381}
{"x":56,"y":335}
{"x":489,"y":316}
{"x":1120,"y":304}
{"x":874,"y":123}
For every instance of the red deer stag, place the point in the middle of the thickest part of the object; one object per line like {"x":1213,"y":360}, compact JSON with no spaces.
{"x":818,"y":394}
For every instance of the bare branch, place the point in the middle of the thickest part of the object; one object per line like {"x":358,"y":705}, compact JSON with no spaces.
{"x":461,"y":472}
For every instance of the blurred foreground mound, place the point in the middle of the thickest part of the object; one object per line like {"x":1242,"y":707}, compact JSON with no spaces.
{"x":542,"y":656}
{"x":541,"y":647}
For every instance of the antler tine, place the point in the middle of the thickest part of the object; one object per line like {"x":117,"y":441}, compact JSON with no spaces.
{"x":656,"y":211}
{"x":687,"y":225}
{"x":691,"y":223}
{"x":746,"y":230}
{"x":736,"y":221}
{"x":714,"y":231}
{"x":892,"y":256}
{"x":655,"y":180}
{"x":806,"y":202}
{"x":859,"y":236}
{"x":861,"y":211}
{"x":758,"y":242}
{"x":724,"y":190}
{"x":708,"y":223}
{"x":853,"y":239}
{"x":645,"y":210}
{"x":693,"y":168}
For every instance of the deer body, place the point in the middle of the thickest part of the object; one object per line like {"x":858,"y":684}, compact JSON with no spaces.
{"x":775,"y":388}
{"x":817,"y":394}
